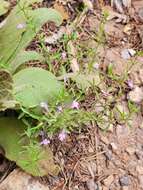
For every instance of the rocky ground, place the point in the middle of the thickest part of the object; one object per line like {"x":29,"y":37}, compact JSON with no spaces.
{"x":100,"y":157}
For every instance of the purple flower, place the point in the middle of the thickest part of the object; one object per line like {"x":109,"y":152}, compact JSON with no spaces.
{"x":64,"y":55}
{"x":96,"y":66}
{"x":75,"y":105}
{"x":59,"y":109}
{"x":45,"y":142}
{"x":21,"y":26}
{"x":130,"y":84}
{"x":62,"y":135}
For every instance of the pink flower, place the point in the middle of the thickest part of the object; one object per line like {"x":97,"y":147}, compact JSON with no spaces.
{"x":21,"y":26}
{"x":130,"y":84}
{"x":64,"y":55}
{"x":62,"y":136}
{"x":75,"y":105}
{"x":45,"y":142}
{"x":59,"y":109}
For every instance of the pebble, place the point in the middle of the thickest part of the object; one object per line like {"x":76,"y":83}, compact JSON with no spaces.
{"x":127,"y":53}
{"x":139,"y":169}
{"x":136,"y":95}
{"x":107,"y":182}
{"x":125,"y":188}
{"x":124,"y":181}
{"x":130,"y":150}
{"x":114,"y":147}
{"x":122,"y":132}
{"x":140,"y":13}
{"x":91,"y":185}
{"x":140,"y":178}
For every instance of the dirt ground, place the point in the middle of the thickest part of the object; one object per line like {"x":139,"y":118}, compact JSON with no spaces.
{"x":97,"y":159}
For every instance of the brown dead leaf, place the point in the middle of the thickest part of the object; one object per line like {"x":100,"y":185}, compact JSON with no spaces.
{"x":59,"y":7}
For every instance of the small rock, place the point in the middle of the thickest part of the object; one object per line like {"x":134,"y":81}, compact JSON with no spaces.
{"x":107,"y":182}
{"x":139,"y":169}
{"x":124,"y":181}
{"x":19,"y":180}
{"x":91,"y":185}
{"x":130,"y":150}
{"x":140,"y":178}
{"x":132,"y":52}
{"x":125,"y":188}
{"x":122,"y":132}
{"x":127,"y":53}
{"x":136,"y":95}
{"x":114,"y":146}
{"x":140,"y":13}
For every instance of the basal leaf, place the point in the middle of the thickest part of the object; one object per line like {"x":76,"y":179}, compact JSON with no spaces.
{"x":23,"y":57}
{"x":84,"y":81}
{"x":20,"y":28}
{"x":25,"y":3}
{"x":35,"y":85}
{"x":4,"y":6}
{"x":32,"y":158}
{"x":6,"y":89}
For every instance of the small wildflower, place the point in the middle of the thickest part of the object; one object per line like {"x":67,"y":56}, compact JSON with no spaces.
{"x":44,"y":106}
{"x":62,"y":136}
{"x":64,"y":55}
{"x":21,"y":26}
{"x":96,"y":66}
{"x":45,"y":142}
{"x":75,"y":105}
{"x":130,"y":84}
{"x":59,"y":109}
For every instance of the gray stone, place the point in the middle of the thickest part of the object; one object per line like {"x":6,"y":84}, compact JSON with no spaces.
{"x":91,"y":185}
{"x":19,"y":180}
{"x":107,"y":182}
{"x":124,"y":181}
{"x":140,"y":178}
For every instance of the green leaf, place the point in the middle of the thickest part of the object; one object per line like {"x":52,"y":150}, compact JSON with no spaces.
{"x":22,"y":58}
{"x":31,"y":157}
{"x":13,"y":39}
{"x":26,"y":3}
{"x":6,"y":89}
{"x":4,"y":6}
{"x":84,"y":81}
{"x":35,"y":85}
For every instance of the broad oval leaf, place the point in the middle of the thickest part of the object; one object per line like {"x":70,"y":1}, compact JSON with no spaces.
{"x":6,"y":90}
{"x":24,"y":57}
{"x":32,"y":158}
{"x":4,"y":6}
{"x":35,"y":85}
{"x":18,"y":31}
